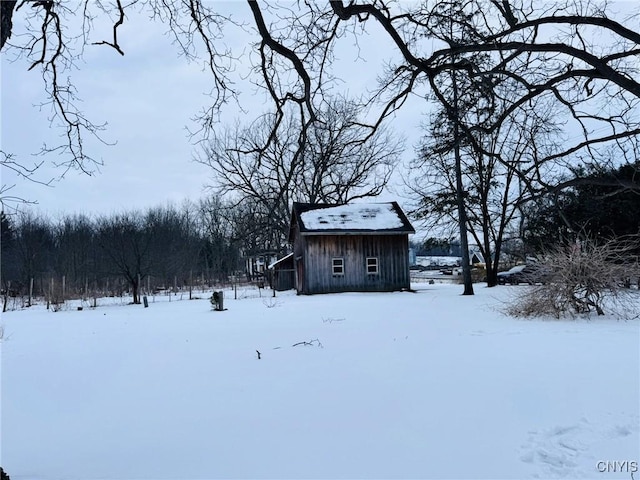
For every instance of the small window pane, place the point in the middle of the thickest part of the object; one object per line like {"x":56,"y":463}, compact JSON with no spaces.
{"x":372,"y":265}
{"x":338,"y":266}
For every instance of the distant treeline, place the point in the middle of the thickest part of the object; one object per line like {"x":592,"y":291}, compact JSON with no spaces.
{"x":160,"y":248}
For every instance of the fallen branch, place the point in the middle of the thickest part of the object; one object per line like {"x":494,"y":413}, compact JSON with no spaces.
{"x":331,"y":320}
{"x":310,"y":343}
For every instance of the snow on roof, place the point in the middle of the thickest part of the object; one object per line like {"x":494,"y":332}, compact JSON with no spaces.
{"x":378,"y":216}
{"x":273,"y":264}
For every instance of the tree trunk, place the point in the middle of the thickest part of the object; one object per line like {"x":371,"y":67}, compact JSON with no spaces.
{"x":136,"y":294}
{"x":6,"y":297}
{"x":492,"y":275}
{"x":462,"y":214}
{"x":6,"y":24}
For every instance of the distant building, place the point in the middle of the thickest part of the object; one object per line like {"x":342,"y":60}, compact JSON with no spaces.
{"x":413,"y":258}
{"x":346,"y":248}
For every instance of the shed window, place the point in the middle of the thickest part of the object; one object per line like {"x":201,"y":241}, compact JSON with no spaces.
{"x":372,"y":265}
{"x":338,"y":266}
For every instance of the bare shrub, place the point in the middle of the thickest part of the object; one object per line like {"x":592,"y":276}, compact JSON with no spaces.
{"x":271,"y":302}
{"x":584,"y":277}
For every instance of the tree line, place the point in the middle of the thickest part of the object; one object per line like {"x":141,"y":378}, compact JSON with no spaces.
{"x":162,"y":248}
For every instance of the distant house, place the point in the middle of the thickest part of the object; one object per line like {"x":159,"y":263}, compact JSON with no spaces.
{"x":256,"y":264}
{"x":347,"y":248}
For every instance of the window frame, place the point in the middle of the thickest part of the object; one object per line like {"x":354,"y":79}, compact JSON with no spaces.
{"x":339,"y":265}
{"x":375,"y":264}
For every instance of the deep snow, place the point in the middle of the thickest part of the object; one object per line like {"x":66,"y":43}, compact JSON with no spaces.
{"x":394,"y":385}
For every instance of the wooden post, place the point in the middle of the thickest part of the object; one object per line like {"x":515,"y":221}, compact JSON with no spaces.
{"x":64,"y":287}
{"x":30,"y":290}
{"x":190,"y":283}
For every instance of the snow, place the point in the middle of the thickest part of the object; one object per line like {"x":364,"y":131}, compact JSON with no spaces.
{"x":438,"y":260}
{"x":429,"y":384}
{"x":516,"y":269}
{"x":370,"y":216}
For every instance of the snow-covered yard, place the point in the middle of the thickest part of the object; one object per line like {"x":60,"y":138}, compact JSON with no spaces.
{"x":399,"y":385}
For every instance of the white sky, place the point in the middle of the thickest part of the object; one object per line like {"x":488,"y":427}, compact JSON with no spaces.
{"x":147,"y":97}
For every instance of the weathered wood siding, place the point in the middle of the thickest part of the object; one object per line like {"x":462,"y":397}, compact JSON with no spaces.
{"x":316,"y":254}
{"x":284,"y":275}
{"x":283,"y":279}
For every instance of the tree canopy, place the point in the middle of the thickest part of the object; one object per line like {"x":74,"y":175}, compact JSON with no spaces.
{"x":579,"y":54}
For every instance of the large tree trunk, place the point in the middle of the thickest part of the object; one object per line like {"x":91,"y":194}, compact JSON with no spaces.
{"x":462,"y":220}
{"x":6,"y":15}
{"x":462,"y":214}
{"x":136,"y":294}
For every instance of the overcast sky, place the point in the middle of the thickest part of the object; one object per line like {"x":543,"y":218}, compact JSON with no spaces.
{"x":148,"y":98}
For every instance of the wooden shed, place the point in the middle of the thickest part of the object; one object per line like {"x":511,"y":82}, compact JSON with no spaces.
{"x":360,"y":247}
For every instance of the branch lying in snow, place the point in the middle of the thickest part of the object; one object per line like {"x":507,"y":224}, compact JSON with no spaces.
{"x":331,"y":320}
{"x":310,"y":343}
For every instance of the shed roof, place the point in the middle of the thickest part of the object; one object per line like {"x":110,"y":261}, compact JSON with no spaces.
{"x":363,"y":218}
{"x":279,"y":261}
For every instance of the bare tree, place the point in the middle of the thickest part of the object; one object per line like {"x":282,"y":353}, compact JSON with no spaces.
{"x":175,"y":243}
{"x":51,"y":36}
{"x":576,"y":53}
{"x":224,"y":239}
{"x":126,"y":243}
{"x":493,"y":194}
{"x":34,"y":244}
{"x":339,"y":162}
{"x":76,"y":251}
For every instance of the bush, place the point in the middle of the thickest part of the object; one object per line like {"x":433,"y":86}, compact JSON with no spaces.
{"x":584,"y":277}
